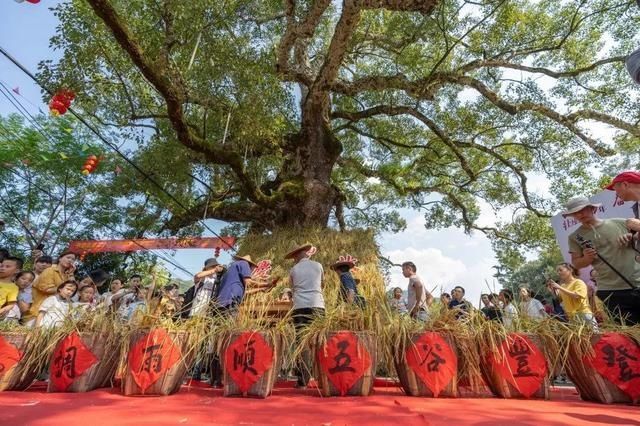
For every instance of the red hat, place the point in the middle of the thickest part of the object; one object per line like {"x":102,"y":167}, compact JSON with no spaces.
{"x":630,"y":177}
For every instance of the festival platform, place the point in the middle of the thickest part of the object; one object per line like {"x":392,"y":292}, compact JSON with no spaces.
{"x":199,"y":404}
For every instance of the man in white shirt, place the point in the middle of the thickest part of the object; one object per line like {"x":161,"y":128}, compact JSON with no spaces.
{"x":418,"y":299}
{"x":198,"y":297}
{"x":308,"y":303}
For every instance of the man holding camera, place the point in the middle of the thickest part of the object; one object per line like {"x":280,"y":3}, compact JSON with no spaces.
{"x":605,"y":245}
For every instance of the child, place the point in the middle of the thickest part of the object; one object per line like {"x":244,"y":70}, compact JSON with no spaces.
{"x":9,"y":267}
{"x":348,"y":286}
{"x":86,"y":297}
{"x":54,"y":309}
{"x":168,"y":303}
{"x":23,"y":281}
{"x":138,"y":305}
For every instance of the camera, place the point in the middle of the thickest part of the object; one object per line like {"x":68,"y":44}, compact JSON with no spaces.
{"x":588,"y":244}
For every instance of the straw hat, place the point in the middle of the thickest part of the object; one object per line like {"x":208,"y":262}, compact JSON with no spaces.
{"x":576,"y":204}
{"x":348,"y":260}
{"x":305,"y":247}
{"x":246,"y":258}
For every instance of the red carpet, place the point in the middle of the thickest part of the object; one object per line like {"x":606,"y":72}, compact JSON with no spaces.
{"x":202,"y":405}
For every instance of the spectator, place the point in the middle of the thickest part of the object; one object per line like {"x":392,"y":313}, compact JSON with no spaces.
{"x":609,"y":239}
{"x":489,"y":310}
{"x":574,"y":294}
{"x":529,"y":306}
{"x":47,"y":283}
{"x":419,"y":298}
{"x":397,"y":303}
{"x":53,"y":311}
{"x":42,"y":263}
{"x":459,"y":303}
{"x":509,"y":311}
{"x":23,"y":281}
{"x":9,"y":267}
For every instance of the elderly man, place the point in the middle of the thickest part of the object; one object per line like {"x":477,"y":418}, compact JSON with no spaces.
{"x":306,"y":285}
{"x":605,"y":245}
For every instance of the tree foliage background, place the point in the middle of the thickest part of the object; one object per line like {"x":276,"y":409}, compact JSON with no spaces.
{"x":293,"y":113}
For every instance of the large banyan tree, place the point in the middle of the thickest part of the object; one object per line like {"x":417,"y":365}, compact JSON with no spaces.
{"x":306,"y":113}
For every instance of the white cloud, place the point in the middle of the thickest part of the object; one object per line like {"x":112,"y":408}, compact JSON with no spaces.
{"x":444,"y":258}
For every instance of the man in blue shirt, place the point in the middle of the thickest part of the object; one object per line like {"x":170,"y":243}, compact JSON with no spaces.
{"x":234,"y":283}
{"x":229,"y":296}
{"x":459,"y":303}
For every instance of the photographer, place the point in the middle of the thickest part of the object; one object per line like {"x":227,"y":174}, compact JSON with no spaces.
{"x":605,"y":245}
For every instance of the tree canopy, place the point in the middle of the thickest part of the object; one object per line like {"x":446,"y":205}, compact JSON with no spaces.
{"x":286,"y":113}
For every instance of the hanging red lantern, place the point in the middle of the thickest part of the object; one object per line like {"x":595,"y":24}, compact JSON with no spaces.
{"x":61,"y":101}
{"x":217,"y":251}
{"x":90,"y":165}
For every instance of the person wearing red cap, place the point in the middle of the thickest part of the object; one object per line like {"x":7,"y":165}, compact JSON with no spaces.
{"x":627,"y":187}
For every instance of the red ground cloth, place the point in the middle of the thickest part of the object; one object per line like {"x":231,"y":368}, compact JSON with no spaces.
{"x":202,"y":405}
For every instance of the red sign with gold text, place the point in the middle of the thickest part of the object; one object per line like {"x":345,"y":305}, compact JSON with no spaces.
{"x":103,"y":246}
{"x":71,"y":359}
{"x":433,"y":361}
{"x":617,"y":358}
{"x":151,"y":356}
{"x":521,"y":363}
{"x":344,"y":360}
{"x":9,"y":356}
{"x":247,"y":358}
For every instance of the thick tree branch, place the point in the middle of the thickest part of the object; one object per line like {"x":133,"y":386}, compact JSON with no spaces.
{"x":159,"y":75}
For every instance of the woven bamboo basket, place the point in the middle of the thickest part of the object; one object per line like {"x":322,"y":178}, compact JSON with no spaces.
{"x":264,"y":386}
{"x":21,"y":375}
{"x":101,"y":374}
{"x":500,"y":385}
{"x":411,"y":382}
{"x":590,"y":384}
{"x":364,"y":385}
{"x":170,"y":381}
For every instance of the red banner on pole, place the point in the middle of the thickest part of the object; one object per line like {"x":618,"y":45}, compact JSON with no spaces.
{"x":103,"y":246}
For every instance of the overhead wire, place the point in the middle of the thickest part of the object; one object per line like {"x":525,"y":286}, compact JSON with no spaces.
{"x":10,"y":132}
{"x":113,"y":146}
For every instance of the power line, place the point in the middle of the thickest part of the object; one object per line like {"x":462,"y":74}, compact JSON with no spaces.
{"x":165,"y":258}
{"x":111,"y":145}
{"x":10,"y":132}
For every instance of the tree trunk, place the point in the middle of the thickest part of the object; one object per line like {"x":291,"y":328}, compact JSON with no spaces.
{"x":313,"y":154}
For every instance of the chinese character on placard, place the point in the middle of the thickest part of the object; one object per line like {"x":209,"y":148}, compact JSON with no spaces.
{"x":65,"y":362}
{"x":520,"y":351}
{"x":151,"y":356}
{"x":245,"y":359}
{"x":152,"y":359}
{"x":342,"y":359}
{"x":617,"y":359}
{"x":621,"y":356}
{"x":71,"y":358}
{"x":432,"y":356}
{"x":521,"y":363}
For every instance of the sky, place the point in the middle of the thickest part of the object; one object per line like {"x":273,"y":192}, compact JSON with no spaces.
{"x":445,"y":258}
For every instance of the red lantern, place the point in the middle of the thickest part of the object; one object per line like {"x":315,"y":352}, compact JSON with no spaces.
{"x":217,"y":251}
{"x":61,"y":101}
{"x":90,"y":165}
